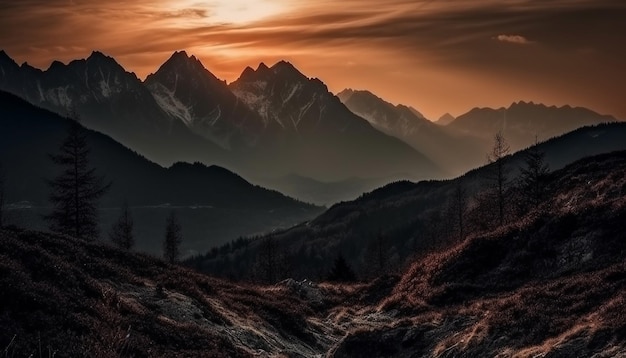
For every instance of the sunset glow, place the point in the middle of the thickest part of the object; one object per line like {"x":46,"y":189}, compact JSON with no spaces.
{"x":436,"y":56}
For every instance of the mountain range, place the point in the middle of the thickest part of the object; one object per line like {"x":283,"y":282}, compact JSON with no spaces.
{"x":215,"y":205}
{"x":271,"y":122}
{"x":459,"y":144}
{"x":274,"y":124}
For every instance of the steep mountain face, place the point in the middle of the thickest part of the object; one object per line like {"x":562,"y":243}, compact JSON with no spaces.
{"x":313,"y":134}
{"x":211,"y":200}
{"x":407,"y":218}
{"x":405,"y":123}
{"x":522,"y":122}
{"x":187,"y":91}
{"x":110,"y":100}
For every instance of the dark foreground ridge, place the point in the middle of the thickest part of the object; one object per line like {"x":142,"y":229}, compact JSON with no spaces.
{"x":551,"y":284}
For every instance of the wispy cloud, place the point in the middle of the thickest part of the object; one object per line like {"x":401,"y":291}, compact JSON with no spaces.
{"x":515,"y":39}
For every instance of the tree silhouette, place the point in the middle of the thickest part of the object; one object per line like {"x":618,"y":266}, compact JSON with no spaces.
{"x":122,"y":231}
{"x":377,"y":256}
{"x":2,"y":180}
{"x":173,"y":238}
{"x":76,"y":190}
{"x":459,"y":206}
{"x":499,"y":172}
{"x":268,"y":260}
{"x":532,"y":179}
{"x":341,"y":271}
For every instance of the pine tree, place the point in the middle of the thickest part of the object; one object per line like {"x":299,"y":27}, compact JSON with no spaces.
{"x":532,"y":179}
{"x":76,"y":190}
{"x":173,"y":238}
{"x":499,"y":174}
{"x":341,"y":271}
{"x":122,"y":231}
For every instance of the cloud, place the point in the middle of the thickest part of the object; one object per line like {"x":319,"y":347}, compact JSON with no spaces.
{"x":514,"y":39}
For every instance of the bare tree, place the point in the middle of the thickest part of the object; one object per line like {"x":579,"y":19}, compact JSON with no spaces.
{"x":499,"y":172}
{"x":173,"y":238}
{"x":76,"y":190}
{"x":122,"y":231}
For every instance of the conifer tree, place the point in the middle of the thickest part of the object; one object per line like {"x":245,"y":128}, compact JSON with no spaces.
{"x":76,"y":190}
{"x":173,"y":238}
{"x":341,"y":271}
{"x":122,"y":231}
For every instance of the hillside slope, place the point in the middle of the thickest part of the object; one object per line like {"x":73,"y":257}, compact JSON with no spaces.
{"x":68,"y":298}
{"x":552,"y":284}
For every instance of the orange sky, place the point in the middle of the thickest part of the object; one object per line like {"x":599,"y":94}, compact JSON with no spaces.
{"x":437,"y":56}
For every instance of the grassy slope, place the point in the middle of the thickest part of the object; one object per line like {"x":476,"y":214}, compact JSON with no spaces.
{"x":551,"y":284}
{"x":89,"y":299}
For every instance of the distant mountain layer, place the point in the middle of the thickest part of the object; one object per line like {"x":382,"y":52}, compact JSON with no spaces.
{"x":460,"y":144}
{"x":522,"y":122}
{"x":218,"y":204}
{"x":271,"y":122}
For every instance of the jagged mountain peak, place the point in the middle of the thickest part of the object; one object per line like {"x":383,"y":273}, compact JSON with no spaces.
{"x":285,"y":68}
{"x":55,"y":64}
{"x":98,"y":55}
{"x":180,"y":61}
